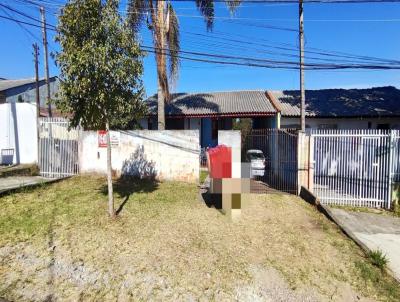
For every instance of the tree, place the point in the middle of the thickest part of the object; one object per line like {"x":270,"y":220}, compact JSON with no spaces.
{"x":163,"y":22}
{"x":100,"y":68}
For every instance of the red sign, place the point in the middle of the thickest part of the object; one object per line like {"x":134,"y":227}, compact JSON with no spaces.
{"x":102,"y":138}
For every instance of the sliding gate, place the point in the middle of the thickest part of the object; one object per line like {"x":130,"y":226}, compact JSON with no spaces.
{"x":58,"y":148}
{"x":279,"y":147}
{"x":356,"y":167}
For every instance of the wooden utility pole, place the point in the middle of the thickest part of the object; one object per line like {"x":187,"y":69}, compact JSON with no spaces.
{"x":302,"y":89}
{"x":46,"y":58}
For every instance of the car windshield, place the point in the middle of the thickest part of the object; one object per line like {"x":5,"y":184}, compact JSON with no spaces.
{"x":255,"y":155}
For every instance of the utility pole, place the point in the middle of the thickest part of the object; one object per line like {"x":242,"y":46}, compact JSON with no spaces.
{"x":46,"y":58}
{"x":36,"y":55}
{"x":302,"y":89}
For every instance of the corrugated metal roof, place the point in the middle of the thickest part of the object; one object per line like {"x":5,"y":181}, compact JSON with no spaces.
{"x":379,"y":101}
{"x":8,"y":84}
{"x":215,"y":103}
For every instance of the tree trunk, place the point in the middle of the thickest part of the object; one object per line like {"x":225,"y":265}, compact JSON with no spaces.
{"x":161,"y":64}
{"x":111,"y":210}
{"x":161,"y":110}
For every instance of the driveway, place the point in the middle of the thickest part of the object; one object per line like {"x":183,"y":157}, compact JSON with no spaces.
{"x":15,"y":182}
{"x":375,"y":231}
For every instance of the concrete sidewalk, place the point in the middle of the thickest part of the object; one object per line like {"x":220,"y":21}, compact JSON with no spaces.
{"x":373,"y":231}
{"x":15,"y":182}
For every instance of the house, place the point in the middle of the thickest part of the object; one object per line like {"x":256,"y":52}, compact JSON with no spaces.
{"x":373,"y":108}
{"x":24,"y":91}
{"x":212,"y":111}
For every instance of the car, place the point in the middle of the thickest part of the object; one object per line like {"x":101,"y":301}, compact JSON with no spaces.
{"x":256,"y":159}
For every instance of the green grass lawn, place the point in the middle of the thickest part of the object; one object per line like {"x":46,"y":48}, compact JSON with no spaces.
{"x":203,"y":175}
{"x":57,"y":242}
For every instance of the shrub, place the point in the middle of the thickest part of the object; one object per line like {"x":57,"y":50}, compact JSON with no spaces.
{"x":378,"y":258}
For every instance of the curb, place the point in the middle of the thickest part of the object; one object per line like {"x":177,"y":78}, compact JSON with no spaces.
{"x":31,"y":185}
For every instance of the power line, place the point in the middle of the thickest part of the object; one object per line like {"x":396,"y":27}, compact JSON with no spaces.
{"x":277,"y":64}
{"x":256,"y":62}
{"x":19,"y":12}
{"x":23,"y":22}
{"x":41,"y":2}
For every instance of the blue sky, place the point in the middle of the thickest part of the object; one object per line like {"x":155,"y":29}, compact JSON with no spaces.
{"x":351,"y":28}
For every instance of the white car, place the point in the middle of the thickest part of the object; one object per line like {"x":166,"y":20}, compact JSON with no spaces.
{"x":257,"y":162}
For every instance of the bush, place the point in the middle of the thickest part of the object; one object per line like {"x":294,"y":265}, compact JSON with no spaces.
{"x":378,"y":259}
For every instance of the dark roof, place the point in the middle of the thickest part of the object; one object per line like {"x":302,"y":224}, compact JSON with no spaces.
{"x":8,"y":84}
{"x":234,"y":103}
{"x":378,"y":101}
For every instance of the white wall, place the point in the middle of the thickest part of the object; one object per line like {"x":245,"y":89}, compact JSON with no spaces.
{"x":18,"y":131}
{"x":342,"y":123}
{"x":169,"y":154}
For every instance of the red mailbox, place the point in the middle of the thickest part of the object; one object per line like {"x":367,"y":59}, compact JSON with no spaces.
{"x":220,"y":162}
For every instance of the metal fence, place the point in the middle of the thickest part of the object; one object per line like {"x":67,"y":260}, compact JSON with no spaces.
{"x":203,"y":157}
{"x":279,"y":147}
{"x":356,"y":167}
{"x":58,"y":148}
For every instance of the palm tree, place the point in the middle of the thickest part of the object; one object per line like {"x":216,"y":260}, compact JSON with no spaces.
{"x":163,"y":22}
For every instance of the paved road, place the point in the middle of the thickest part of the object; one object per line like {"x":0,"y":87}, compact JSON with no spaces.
{"x":14,"y":182}
{"x":376,"y":231}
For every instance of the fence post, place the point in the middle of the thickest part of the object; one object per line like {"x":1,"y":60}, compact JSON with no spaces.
{"x":303,"y":161}
{"x":310,"y":163}
{"x":390,"y":161}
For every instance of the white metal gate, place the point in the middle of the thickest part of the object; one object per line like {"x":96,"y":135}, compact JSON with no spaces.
{"x":58,"y":148}
{"x":356,"y":167}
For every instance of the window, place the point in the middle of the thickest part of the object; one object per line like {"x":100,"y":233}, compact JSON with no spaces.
{"x":383,"y":126}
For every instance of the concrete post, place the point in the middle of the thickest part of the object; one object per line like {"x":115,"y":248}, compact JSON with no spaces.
{"x":305,"y":161}
{"x":232,"y":138}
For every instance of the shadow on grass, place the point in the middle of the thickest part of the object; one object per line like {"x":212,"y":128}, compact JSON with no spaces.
{"x":212,"y":200}
{"x":126,"y":186}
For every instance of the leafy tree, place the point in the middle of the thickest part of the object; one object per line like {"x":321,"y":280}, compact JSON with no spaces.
{"x":244,"y":125}
{"x":100,"y":65}
{"x":163,"y":22}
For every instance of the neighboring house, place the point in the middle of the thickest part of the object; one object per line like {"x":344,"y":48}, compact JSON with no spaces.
{"x":24,"y":91}
{"x":373,"y":108}
{"x":213,"y":111}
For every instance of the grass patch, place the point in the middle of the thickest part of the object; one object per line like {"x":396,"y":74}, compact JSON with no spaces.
{"x":372,"y":276}
{"x":203,"y":175}
{"x":378,"y":258}
{"x":366,"y":210}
